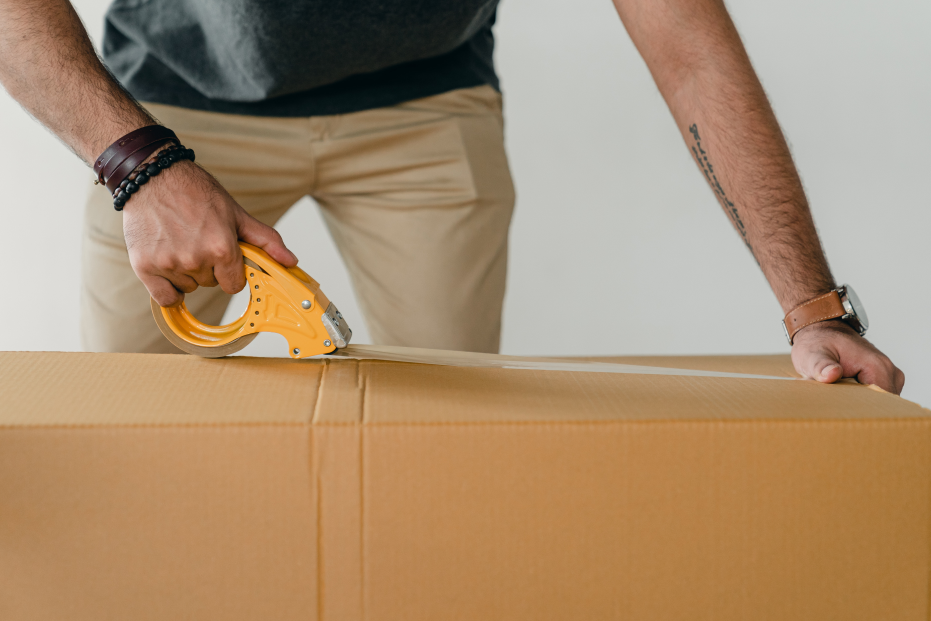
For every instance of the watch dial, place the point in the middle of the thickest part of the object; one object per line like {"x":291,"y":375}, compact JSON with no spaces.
{"x":857,"y":307}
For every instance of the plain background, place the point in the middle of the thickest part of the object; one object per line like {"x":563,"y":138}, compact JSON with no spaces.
{"x":617,"y":246}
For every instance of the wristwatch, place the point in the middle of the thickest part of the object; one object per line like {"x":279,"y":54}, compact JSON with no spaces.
{"x":841,"y":303}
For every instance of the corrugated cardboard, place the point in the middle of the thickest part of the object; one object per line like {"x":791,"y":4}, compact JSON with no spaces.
{"x":172,"y":487}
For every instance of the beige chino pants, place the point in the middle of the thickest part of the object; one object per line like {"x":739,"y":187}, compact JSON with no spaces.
{"x":418,"y":198}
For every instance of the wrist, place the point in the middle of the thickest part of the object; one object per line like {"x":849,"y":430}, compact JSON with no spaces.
{"x":172,"y":181}
{"x":95,"y":144}
{"x":822,"y":328}
{"x":166,"y":159}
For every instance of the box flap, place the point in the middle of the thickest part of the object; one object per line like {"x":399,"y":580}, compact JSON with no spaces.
{"x":53,"y":388}
{"x":391,"y":392}
{"x":42,"y":389}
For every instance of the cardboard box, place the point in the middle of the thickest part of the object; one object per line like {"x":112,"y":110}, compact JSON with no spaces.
{"x":171,"y":487}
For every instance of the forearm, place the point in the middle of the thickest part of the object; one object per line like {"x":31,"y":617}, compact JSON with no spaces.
{"x":48,"y":64}
{"x":738,"y":146}
{"x":705,"y":76}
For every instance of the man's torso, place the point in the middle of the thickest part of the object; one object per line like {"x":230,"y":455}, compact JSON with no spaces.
{"x":297,"y":58}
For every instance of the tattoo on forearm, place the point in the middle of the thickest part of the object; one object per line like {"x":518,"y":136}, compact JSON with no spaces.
{"x":702,"y":158}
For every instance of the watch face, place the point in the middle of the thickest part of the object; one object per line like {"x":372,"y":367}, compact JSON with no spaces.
{"x":857,"y":307}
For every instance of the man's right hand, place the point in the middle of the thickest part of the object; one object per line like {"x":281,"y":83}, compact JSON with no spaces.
{"x":182,"y":228}
{"x":182,"y":231}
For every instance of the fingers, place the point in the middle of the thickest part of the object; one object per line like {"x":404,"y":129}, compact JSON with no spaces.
{"x":165,"y":287}
{"x":828,"y":353}
{"x":880,"y":371}
{"x":188,"y":271}
{"x":265,"y":237}
{"x":899,"y":380}
{"x":168,"y":276}
{"x":220,"y":265}
{"x":228,"y":270}
{"x":183,"y":283}
{"x":162,"y":291}
{"x":205,"y":277}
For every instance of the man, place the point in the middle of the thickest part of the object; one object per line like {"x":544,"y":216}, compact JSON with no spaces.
{"x":388,"y":114}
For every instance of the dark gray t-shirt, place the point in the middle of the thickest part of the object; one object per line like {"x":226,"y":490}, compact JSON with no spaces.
{"x":298,"y":58}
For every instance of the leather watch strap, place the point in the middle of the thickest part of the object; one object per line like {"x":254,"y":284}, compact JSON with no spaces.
{"x":821,"y":308}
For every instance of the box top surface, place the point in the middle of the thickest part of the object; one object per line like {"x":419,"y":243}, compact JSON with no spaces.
{"x":82,"y":389}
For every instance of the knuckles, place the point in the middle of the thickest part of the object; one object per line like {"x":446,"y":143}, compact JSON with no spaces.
{"x":162,"y":263}
{"x":187,"y":262}
{"x":223,"y":254}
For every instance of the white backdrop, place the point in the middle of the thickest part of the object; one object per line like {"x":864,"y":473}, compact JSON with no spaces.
{"x":618,"y":247}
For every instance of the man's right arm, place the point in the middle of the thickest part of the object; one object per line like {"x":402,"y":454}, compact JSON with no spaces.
{"x":182,"y":230}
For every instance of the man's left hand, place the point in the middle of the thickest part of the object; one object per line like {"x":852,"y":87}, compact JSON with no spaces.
{"x":831,"y":350}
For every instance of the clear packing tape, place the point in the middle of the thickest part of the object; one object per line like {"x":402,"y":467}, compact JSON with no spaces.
{"x":469,"y":359}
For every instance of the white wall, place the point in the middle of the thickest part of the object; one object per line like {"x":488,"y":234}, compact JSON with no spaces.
{"x":618,"y":247}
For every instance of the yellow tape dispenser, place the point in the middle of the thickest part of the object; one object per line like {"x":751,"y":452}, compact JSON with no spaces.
{"x":282,"y":300}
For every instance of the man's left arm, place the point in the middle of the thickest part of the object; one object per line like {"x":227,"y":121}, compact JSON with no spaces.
{"x":703,"y":72}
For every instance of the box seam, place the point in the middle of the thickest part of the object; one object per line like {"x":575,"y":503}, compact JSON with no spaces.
{"x":361,"y":525}
{"x":314,"y":416}
{"x":361,"y":386}
{"x":316,"y":479}
{"x":928,"y":587}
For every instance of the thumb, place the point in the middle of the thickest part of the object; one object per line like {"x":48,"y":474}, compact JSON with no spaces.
{"x":265,"y":237}
{"x":822,"y":366}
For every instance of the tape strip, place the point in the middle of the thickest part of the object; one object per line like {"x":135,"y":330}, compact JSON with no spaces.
{"x":469,"y":359}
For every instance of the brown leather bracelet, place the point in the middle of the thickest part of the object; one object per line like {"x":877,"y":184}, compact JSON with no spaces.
{"x":110,"y":162}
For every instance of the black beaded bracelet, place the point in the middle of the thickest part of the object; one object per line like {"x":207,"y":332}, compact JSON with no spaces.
{"x":131,"y":184}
